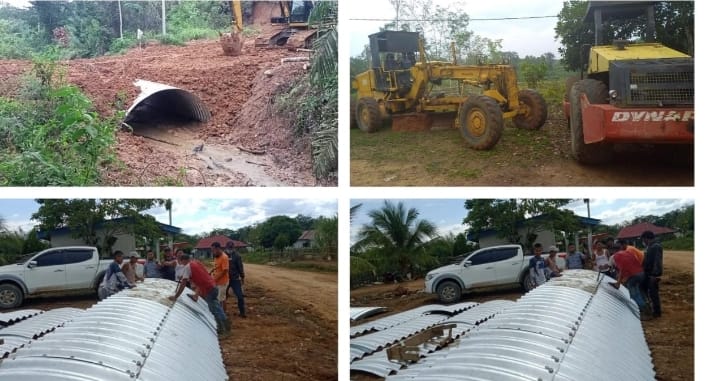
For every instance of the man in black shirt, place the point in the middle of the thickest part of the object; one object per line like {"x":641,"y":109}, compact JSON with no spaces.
{"x":237,"y":275}
{"x":652,"y":265}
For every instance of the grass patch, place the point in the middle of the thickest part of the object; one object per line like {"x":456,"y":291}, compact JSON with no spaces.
{"x":681,"y":243}
{"x":50,"y":135}
{"x":326,"y":267}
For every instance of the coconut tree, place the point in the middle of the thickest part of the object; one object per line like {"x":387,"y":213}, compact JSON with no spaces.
{"x":396,"y":236}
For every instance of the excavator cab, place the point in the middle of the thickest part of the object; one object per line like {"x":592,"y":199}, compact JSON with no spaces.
{"x":393,"y":54}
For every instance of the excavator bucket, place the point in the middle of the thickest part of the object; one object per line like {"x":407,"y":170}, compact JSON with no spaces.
{"x":232,"y":43}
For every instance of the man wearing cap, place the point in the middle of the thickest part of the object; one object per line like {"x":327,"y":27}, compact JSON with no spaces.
{"x":205,"y":287}
{"x":554,"y":270}
{"x":652,"y":265}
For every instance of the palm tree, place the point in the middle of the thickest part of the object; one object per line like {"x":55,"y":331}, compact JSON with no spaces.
{"x":396,"y":234}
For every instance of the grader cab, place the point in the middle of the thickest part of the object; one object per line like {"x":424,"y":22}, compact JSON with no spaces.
{"x":404,"y":85}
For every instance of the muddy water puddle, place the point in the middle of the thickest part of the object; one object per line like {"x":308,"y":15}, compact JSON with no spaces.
{"x":224,"y":160}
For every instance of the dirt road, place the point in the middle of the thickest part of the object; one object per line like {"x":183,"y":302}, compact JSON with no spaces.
{"x":238,"y":95}
{"x":671,"y":334}
{"x":290,"y":333}
{"x":522,"y":158}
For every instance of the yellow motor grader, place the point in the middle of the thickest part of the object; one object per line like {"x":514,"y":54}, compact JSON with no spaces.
{"x":404,"y":85}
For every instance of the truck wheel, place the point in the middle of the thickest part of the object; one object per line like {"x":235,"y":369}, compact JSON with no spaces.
{"x":368,"y":115}
{"x":10,"y":296}
{"x":481,"y":121}
{"x":595,"y":153}
{"x":536,"y":111}
{"x":527,"y":282}
{"x":449,"y":292}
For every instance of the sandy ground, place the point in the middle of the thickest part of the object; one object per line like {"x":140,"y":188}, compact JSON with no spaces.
{"x":670,"y":334}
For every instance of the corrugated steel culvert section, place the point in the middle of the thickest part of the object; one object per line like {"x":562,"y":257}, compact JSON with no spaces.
{"x":133,"y":335}
{"x":10,"y":318}
{"x":576,"y":328}
{"x":23,"y":332}
{"x":159,"y":101}
{"x":465,"y":321}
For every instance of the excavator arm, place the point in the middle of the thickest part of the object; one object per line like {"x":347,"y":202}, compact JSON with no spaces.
{"x":232,"y":42}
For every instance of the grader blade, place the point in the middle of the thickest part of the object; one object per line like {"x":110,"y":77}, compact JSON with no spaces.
{"x":232,"y":43}
{"x":411,"y":122}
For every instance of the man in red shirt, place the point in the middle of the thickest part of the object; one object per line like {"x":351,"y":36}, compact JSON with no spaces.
{"x":631,"y":273}
{"x":205,"y":287}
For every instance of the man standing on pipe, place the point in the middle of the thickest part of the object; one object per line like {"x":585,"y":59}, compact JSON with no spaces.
{"x":205,"y":287}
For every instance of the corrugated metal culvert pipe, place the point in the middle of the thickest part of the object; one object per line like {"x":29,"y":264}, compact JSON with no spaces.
{"x":573,"y":328}
{"x":159,"y":102}
{"x":135,"y":334}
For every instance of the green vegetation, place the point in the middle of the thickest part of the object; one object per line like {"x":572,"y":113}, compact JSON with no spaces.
{"x":93,"y":28}
{"x":681,"y":243}
{"x":674,"y":28}
{"x":50,"y":134}
{"x":312,"y":103}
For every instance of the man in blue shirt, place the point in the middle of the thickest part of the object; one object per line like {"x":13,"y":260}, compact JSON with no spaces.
{"x":152,"y":268}
{"x":537,"y":267}
{"x":574,"y":259}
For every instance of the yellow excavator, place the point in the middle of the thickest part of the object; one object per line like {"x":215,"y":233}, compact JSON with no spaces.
{"x":290,"y":28}
{"x":232,"y":42}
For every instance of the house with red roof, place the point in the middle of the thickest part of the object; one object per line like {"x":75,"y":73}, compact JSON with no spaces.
{"x":634,"y":232}
{"x":203,"y":246}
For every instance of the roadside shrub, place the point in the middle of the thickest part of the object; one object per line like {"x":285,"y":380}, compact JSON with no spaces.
{"x":170,"y":39}
{"x":119,"y":46}
{"x":189,"y":34}
{"x":681,"y":243}
{"x":54,"y":137}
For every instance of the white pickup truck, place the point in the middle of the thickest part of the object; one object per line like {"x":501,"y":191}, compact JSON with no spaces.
{"x":58,"y":270}
{"x":488,"y":267}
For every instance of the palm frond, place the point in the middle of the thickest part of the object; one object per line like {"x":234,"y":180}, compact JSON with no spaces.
{"x":325,"y":151}
{"x":324,"y":69}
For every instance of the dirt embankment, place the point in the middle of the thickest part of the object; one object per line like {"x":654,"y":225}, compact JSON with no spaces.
{"x":670,"y":338}
{"x":244,"y":142}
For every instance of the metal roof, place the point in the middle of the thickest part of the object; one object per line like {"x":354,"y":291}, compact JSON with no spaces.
{"x":9,"y":318}
{"x":165,"y":98}
{"x":131,"y":335}
{"x":576,"y":328}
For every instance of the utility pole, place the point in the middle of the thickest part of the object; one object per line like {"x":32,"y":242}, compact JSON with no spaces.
{"x":120,"y":12}
{"x":164,"y":18}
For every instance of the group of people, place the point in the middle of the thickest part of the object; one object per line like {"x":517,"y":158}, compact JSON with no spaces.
{"x":228,"y":273}
{"x":639,"y":272}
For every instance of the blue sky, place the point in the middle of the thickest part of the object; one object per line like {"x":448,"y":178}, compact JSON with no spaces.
{"x":196,"y":215}
{"x":526,"y":37}
{"x":448,"y":214}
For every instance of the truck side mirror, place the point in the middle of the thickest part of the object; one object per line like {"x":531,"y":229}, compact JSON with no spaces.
{"x":32,"y":264}
{"x":467,"y":263}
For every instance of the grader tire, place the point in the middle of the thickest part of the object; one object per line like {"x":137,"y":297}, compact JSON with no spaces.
{"x":353,"y":110}
{"x":481,"y":122}
{"x":368,"y":115}
{"x":537,"y":111}
{"x":594,"y":153}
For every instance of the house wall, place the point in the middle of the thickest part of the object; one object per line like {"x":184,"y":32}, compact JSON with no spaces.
{"x":124,"y":243}
{"x":302,"y":244}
